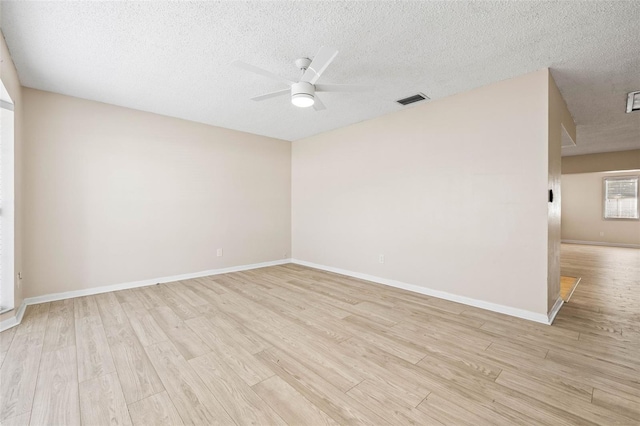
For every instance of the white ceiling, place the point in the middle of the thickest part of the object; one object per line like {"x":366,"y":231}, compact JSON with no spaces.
{"x":173,"y":58}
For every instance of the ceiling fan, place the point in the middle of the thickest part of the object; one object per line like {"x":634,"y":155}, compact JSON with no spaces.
{"x":303,"y":92}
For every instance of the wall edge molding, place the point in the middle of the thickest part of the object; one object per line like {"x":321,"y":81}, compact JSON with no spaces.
{"x":600,"y":243}
{"x":489,"y":306}
{"x":555,"y":309}
{"x":13,"y":321}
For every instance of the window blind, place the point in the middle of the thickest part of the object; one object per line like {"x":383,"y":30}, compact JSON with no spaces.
{"x":621,"y":197}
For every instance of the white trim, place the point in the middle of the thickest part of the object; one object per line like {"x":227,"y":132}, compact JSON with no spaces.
{"x":13,"y":321}
{"x":554,"y":310}
{"x":600,"y":243}
{"x":514,"y":312}
{"x":7,"y":227}
{"x":6,"y":105}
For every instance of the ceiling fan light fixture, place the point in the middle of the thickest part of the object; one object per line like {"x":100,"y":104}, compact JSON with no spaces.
{"x":302,"y":94}
{"x":302,"y":100}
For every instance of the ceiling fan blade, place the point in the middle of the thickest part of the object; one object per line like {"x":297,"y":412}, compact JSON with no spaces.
{"x":260,"y":71}
{"x":342,"y":88}
{"x":317,"y":104}
{"x":271,"y":95}
{"x":320,"y":63}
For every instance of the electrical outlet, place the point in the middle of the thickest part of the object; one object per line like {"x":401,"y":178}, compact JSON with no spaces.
{"x":219,"y":253}
{"x":381,"y":258}
{"x":602,"y":233}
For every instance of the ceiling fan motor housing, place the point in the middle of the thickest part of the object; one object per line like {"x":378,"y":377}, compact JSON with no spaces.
{"x":303,"y":63}
{"x":302,"y":94}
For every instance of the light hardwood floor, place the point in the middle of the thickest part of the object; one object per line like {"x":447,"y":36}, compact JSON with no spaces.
{"x":293,"y":345}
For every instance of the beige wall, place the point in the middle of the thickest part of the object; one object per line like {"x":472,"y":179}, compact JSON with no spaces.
{"x":603,"y":162}
{"x":559,"y":119}
{"x":11,"y":81}
{"x":452,"y":192}
{"x":582,"y":211}
{"x":115,"y":195}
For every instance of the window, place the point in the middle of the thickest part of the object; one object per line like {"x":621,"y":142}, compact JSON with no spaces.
{"x":6,"y":201}
{"x":621,"y":197}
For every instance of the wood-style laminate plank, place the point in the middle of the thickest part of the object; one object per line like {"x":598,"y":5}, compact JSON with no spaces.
{"x":85,"y":308}
{"x":438,"y":330}
{"x":244,"y":406}
{"x":6,"y":337}
{"x":102,"y":402}
{"x":211,"y":284}
{"x":328,"y":307}
{"x":60,"y":331}
{"x":137,"y":376}
{"x":594,"y":363}
{"x":432,"y":373}
{"x":94,"y":354}
{"x":625,"y":404}
{"x":339,"y":308}
{"x":316,"y":354}
{"x":19,"y":374}
{"x":175,"y":300}
{"x":155,"y":410}
{"x":203,"y":289}
{"x":20,"y":420}
{"x":56,"y":401}
{"x":149,"y":297}
{"x":392,"y":409}
{"x":570,"y":375}
{"x":223,"y":347}
{"x":508,"y":349}
{"x":556,"y":396}
{"x":341,"y":407}
{"x":129,"y":296}
{"x":187,"y":294}
{"x":448,"y":412}
{"x":294,"y":408}
{"x":187,"y":342}
{"x":192,"y":399}
{"x":316,"y":323}
{"x":34,"y":320}
{"x":248,"y":291}
{"x":404,"y":350}
{"x":247,"y":339}
{"x":145,"y":326}
{"x":450,"y":350}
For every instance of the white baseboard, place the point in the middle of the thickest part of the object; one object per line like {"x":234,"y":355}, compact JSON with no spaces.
{"x":600,"y":243}
{"x":13,"y":321}
{"x":554,"y":311}
{"x":507,"y":310}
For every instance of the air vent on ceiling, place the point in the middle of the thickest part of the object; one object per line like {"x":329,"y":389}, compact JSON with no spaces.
{"x":412,"y":99}
{"x":633,"y":101}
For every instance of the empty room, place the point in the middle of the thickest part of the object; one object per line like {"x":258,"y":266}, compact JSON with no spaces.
{"x":319,"y":212}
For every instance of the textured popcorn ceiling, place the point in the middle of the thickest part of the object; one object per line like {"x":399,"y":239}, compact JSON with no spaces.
{"x":173,"y":58}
